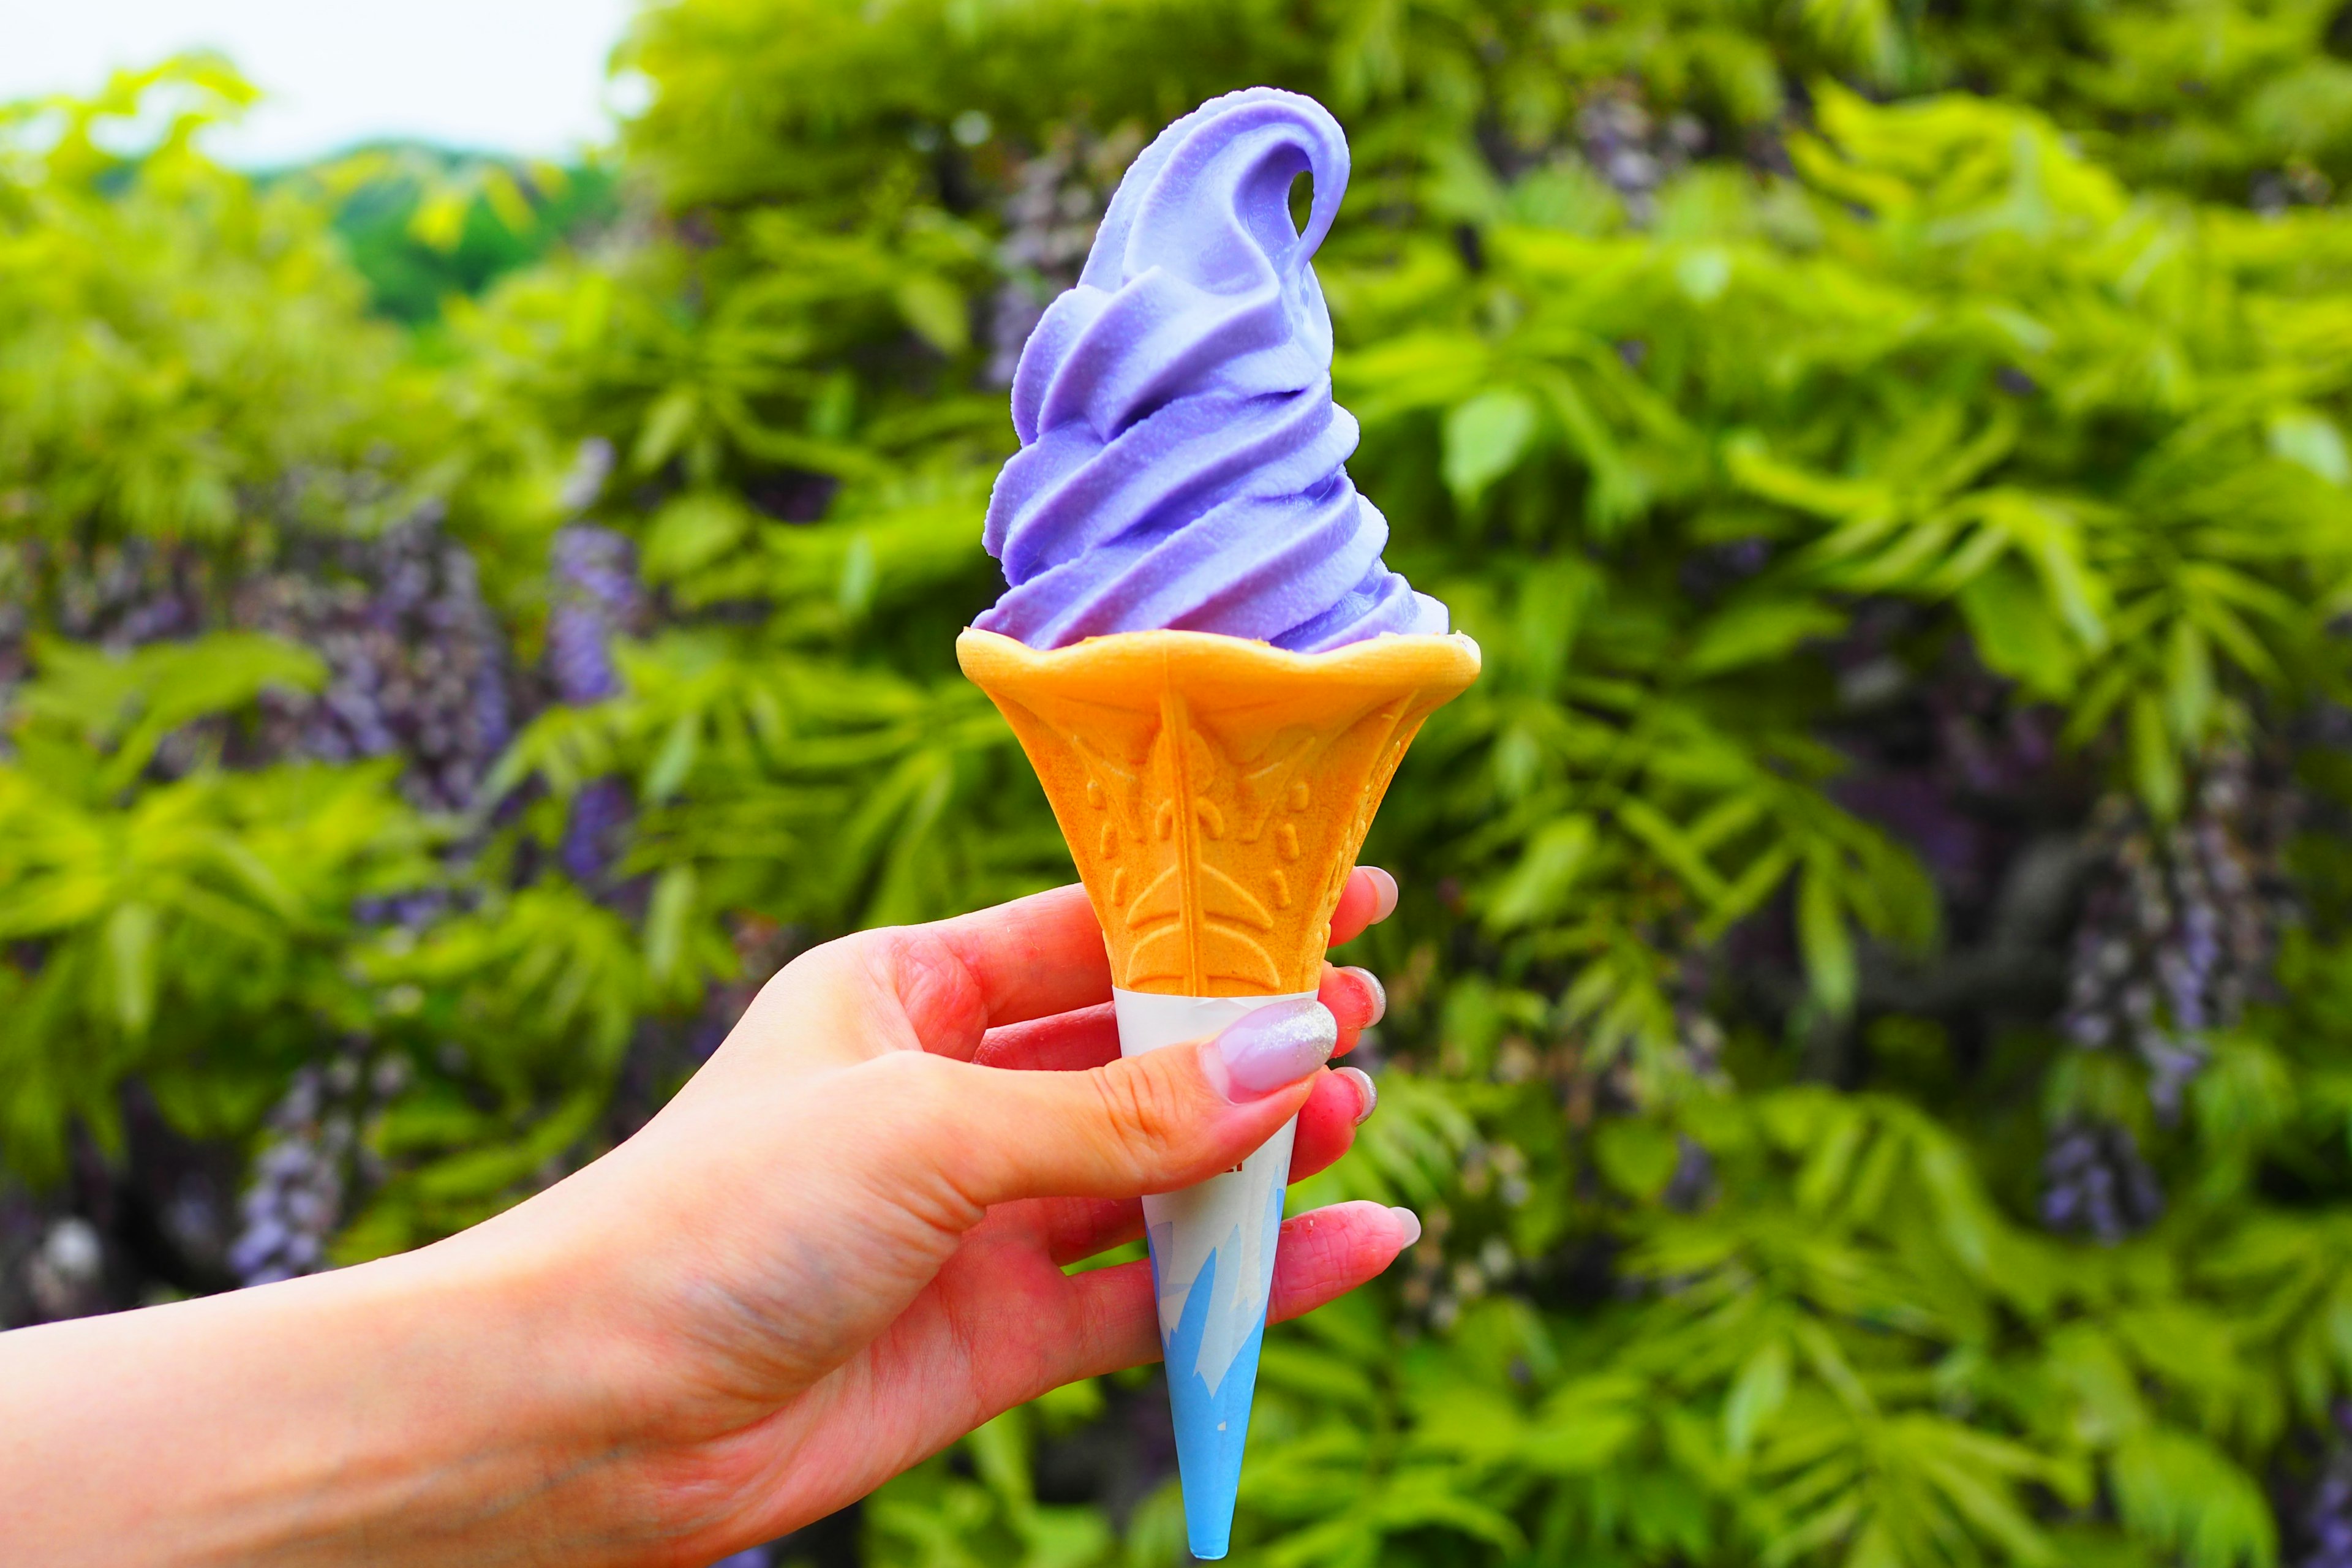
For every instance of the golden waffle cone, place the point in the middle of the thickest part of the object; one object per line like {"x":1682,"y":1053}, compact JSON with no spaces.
{"x":1215,"y":791}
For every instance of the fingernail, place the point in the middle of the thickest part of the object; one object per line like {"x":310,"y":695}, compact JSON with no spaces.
{"x":1366,"y":1092}
{"x":1274,"y":1045}
{"x":1386,"y":887}
{"x":1408,"y":1222}
{"x":1371,"y":984}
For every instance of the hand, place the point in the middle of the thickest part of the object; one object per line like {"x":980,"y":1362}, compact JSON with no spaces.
{"x":931,"y":1197}
{"x":839,"y":1248}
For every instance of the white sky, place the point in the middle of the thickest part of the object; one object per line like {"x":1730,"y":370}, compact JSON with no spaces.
{"x":510,"y":76}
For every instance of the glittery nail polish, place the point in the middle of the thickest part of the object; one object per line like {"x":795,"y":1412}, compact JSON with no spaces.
{"x":1276,"y":1045}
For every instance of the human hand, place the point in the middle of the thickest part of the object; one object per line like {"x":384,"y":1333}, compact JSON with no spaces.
{"x":841,"y":1245}
{"x":839,"y":1248}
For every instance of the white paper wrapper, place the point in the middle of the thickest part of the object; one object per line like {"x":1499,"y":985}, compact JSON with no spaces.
{"x":1212,"y":1265}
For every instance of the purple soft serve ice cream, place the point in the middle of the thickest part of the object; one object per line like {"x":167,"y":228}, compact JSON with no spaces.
{"x":1181,"y":462}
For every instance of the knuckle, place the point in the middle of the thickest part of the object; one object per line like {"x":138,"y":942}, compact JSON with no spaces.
{"x":774,"y":1003}
{"x":915,"y":1082}
{"x":1143,"y":1107}
{"x":940,"y":996}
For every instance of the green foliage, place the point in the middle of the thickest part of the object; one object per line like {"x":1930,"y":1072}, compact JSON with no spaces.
{"x":188,"y":930}
{"x":807,"y":102}
{"x":422,"y":225}
{"x":175,"y":343}
{"x":1729,"y":459}
{"x":822,"y":794}
{"x":1953,"y":363}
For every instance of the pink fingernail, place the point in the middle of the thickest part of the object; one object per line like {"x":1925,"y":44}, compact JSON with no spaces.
{"x":1368,"y":1093}
{"x":1274,"y":1045}
{"x":1374,"y":989}
{"x":1410,"y":1222}
{"x":1386,"y":887}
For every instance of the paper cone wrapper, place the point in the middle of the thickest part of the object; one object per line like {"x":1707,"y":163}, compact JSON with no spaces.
{"x":1214,"y":792}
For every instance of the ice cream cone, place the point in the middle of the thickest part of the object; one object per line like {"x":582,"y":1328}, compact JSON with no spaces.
{"x":1214,"y":792}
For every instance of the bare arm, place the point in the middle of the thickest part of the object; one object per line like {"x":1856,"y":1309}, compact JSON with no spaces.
{"x":839,"y":1248}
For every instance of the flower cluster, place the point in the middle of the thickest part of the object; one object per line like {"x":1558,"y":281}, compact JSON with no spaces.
{"x":416,"y":659}
{"x":311,"y":1165}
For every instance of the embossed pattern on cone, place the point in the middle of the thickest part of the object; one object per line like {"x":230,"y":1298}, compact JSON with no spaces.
{"x":1214,"y":791}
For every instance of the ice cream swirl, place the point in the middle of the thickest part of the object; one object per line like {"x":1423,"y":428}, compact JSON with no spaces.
{"x":1181,"y":462}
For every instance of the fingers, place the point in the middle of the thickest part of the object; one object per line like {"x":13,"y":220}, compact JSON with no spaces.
{"x":1028,"y":960}
{"x":1089,"y":1037}
{"x":1150,"y":1124}
{"x":1076,"y":1041}
{"x":953,"y":980}
{"x":1326,"y":1253}
{"x":1356,"y":999}
{"x":1075,"y":1228}
{"x":1067,"y":1042}
{"x":1327,"y":1121}
{"x":1369,"y":898}
{"x":1338,"y":1102}
{"x":1321,"y":1256}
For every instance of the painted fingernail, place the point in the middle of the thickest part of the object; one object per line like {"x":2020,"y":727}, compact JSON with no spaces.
{"x":1274,"y":1045}
{"x":1366,"y":1092}
{"x":1386,"y":887}
{"x":1372,"y":988}
{"x":1408,"y":1222}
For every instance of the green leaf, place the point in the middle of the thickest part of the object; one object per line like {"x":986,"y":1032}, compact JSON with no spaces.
{"x":666,"y":424}
{"x":1704,"y":273}
{"x":681,"y":745}
{"x":668,"y":913}
{"x":2156,"y":767}
{"x":2016,"y":633}
{"x":131,"y":962}
{"x":2312,"y":440}
{"x":1757,"y":1396}
{"x":935,"y":309}
{"x":1757,"y":631}
{"x":2189,"y":692}
{"x":693,"y":531}
{"x":1638,"y":1157}
{"x":1546,"y":874}
{"x":1823,"y":938}
{"x":2186,"y":1496}
{"x":1485,"y":440}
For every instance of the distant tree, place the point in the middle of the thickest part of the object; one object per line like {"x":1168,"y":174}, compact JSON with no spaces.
{"x":1871,"y":1028}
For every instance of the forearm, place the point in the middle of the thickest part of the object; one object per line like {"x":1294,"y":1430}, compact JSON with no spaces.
{"x":620,"y":1371}
{"x":442,"y":1407}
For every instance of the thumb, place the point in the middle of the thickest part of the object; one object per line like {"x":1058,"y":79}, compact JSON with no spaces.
{"x":1150,"y":1124}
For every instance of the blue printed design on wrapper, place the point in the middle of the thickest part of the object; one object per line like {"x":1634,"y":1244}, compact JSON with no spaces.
{"x":1211,"y":1402}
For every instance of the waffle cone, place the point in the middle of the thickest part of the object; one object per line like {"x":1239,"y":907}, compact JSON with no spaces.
{"x":1214,"y":791}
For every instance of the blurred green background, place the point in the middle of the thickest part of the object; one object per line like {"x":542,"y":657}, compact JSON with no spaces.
{"x":1872,"y":1027}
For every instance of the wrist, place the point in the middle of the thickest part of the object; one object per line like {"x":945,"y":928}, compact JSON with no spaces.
{"x":586,"y":1385}
{"x":440,"y":1406}
{"x":453,"y":1404}
{"x":539,"y":1404}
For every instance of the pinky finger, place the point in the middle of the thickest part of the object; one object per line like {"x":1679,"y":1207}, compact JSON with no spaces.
{"x":1322,"y":1255}
{"x":1368,"y":897}
{"x":1328,"y":1252}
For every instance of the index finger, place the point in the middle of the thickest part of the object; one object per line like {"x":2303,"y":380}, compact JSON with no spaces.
{"x":1044,"y":955}
{"x":1031,"y":958}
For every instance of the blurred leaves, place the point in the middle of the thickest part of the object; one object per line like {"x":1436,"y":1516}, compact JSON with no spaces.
{"x":1729,"y":376}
